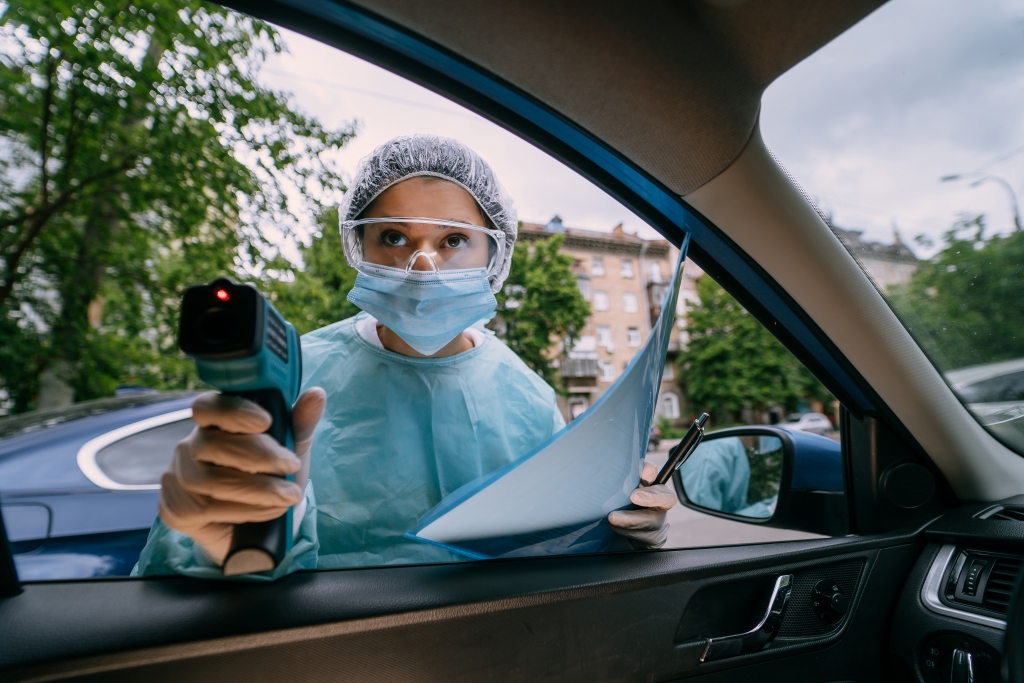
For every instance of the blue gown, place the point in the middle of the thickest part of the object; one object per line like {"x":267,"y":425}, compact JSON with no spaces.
{"x":398,"y":434}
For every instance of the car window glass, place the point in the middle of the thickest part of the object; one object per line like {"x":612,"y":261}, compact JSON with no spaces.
{"x":96,"y":394}
{"x":903,"y":131}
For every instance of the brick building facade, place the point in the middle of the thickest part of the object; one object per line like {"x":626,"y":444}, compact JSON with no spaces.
{"x":625,"y":279}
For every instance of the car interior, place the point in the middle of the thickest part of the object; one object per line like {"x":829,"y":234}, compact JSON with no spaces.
{"x":913,"y":571}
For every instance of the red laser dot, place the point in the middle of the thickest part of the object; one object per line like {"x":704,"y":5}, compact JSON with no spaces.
{"x":222,"y":294}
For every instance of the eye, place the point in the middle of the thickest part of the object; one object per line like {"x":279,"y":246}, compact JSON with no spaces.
{"x":393,"y":238}
{"x":455,"y":241}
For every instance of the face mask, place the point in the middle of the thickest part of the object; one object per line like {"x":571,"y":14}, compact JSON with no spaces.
{"x":426,"y":309}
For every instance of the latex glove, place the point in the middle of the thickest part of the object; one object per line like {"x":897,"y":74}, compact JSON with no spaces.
{"x":645,"y":529}
{"x":222,"y":473}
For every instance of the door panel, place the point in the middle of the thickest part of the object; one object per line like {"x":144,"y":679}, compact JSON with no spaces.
{"x":612,"y":617}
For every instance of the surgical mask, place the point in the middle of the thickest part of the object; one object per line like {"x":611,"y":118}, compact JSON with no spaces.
{"x":427,"y":309}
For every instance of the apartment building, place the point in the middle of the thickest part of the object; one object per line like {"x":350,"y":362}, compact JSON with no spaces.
{"x":625,"y":279}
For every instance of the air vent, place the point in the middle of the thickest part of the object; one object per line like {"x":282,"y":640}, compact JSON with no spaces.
{"x":982,"y":580}
{"x":1006,"y":514}
{"x":1000,"y":584}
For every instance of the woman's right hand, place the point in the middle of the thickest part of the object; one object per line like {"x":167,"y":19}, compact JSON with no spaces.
{"x":227,"y":471}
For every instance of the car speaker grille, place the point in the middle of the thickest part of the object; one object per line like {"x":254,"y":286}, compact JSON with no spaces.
{"x":1000,"y":584}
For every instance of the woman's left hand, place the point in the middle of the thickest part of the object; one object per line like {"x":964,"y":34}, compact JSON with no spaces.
{"x":646,"y":528}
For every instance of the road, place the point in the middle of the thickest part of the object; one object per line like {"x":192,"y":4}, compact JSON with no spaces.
{"x":692,"y":529}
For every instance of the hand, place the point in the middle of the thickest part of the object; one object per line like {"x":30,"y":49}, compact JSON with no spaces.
{"x":645,"y":529}
{"x":227,"y":471}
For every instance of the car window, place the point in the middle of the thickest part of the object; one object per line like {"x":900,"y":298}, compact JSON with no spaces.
{"x":916,"y":163}
{"x":456,"y":328}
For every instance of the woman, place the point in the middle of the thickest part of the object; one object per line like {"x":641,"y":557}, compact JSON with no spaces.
{"x":403,"y":404}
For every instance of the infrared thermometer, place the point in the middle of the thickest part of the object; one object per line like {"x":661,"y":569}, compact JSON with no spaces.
{"x":242,"y":346}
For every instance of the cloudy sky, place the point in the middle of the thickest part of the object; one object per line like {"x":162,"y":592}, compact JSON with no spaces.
{"x":918,"y":90}
{"x":337,"y":88}
{"x":868,"y":125}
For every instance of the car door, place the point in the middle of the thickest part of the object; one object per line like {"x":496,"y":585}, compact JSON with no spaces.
{"x":643,"y":616}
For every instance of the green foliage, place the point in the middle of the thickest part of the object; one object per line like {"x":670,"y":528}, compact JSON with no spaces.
{"x":733,"y":363}
{"x":540,"y":305}
{"x":315,"y":296}
{"x":138,"y":155}
{"x":964,"y":305}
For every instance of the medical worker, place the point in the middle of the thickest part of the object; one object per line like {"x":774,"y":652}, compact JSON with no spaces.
{"x":402,"y":404}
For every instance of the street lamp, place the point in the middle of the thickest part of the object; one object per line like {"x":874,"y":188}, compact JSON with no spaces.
{"x":984,"y":178}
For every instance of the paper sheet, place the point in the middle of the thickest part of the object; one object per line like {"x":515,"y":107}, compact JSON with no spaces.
{"x":555,"y":499}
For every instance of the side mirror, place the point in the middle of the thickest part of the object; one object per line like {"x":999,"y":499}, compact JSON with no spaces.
{"x":768,"y":475}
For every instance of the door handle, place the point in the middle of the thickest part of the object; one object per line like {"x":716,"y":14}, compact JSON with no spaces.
{"x":758,"y":637}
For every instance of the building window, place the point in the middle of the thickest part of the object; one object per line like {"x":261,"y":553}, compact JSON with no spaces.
{"x":669,"y":373}
{"x":577,"y":406}
{"x":629,"y":302}
{"x":601,"y":301}
{"x":604,"y":336}
{"x":627,"y":268}
{"x":597,"y":267}
{"x":584,"y":287}
{"x":633,"y":336}
{"x":607,"y":370}
{"x":670,"y":406}
{"x":654,"y":272}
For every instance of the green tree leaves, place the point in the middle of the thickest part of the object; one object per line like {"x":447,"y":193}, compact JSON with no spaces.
{"x":138,"y":154}
{"x":733,"y":363}
{"x":315,"y":295}
{"x":540,"y":305}
{"x":964,"y":305}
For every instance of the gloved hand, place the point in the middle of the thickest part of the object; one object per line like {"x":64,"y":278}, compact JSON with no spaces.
{"x":645,"y":529}
{"x":221,"y":473}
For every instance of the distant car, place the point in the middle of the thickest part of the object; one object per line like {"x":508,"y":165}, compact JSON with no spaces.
{"x":654,"y":439}
{"x":994,"y":392}
{"x":79,"y":484}
{"x":813,"y":423}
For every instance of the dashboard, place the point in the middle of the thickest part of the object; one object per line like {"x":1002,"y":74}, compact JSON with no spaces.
{"x":950,"y":620}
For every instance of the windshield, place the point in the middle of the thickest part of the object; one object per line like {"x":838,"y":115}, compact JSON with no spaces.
{"x":906,"y":132}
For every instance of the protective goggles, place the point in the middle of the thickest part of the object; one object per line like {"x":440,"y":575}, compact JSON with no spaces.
{"x":422,"y":244}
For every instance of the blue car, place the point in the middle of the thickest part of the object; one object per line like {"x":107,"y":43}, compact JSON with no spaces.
{"x":79,"y":485}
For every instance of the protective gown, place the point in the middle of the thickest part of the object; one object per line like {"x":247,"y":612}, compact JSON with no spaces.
{"x":717,"y":475}
{"x":398,"y":434}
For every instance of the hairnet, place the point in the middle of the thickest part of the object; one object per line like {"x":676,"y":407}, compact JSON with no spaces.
{"x":432,"y":155}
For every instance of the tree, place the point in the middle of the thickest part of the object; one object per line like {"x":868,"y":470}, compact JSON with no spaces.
{"x":540,"y":305}
{"x":138,"y":155}
{"x":963,"y":305}
{"x":315,"y":295}
{"x":732,"y":363}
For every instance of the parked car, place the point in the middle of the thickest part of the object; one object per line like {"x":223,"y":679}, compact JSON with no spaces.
{"x":79,"y":484}
{"x":994,"y":392}
{"x":815,"y":423}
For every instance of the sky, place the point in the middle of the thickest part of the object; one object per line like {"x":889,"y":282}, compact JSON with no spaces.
{"x":868,"y":125}
{"x":338,"y":88}
{"x":918,"y":90}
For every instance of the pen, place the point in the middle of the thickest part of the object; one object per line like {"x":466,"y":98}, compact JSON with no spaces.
{"x":678,"y":455}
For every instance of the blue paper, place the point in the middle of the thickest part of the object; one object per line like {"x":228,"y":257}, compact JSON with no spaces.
{"x":555,"y":500}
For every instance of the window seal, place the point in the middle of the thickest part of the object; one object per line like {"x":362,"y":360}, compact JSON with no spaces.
{"x":87,"y":453}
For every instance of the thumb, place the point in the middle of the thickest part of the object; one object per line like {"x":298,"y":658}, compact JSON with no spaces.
{"x":305,"y":414}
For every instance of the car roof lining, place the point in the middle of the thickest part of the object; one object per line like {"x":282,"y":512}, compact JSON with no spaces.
{"x":615,"y":61}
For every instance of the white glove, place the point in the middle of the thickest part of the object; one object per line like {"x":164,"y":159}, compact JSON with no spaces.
{"x":222,"y":473}
{"x":645,"y":529}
